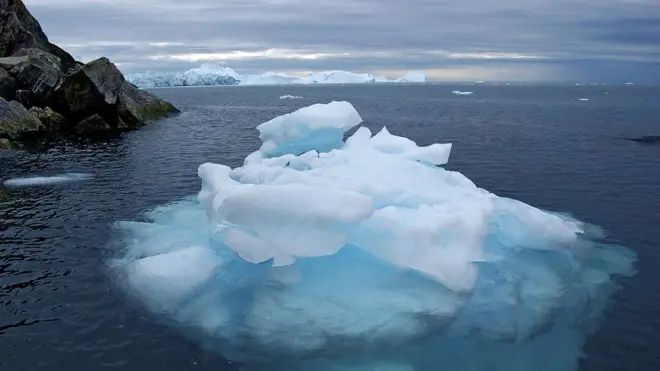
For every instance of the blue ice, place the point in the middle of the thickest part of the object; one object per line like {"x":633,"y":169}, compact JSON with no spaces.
{"x":320,"y":254}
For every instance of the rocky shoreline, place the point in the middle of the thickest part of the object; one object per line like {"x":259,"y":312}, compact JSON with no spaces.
{"x":44,"y":91}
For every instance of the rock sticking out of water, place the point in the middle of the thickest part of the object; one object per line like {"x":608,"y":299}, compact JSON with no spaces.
{"x":647,"y":139}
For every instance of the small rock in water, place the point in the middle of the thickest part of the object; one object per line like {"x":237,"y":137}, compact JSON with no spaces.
{"x":647,"y":139}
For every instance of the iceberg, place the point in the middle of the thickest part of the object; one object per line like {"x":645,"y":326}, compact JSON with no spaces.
{"x":269,"y":78}
{"x":413,"y":77}
{"x":329,"y":253}
{"x":206,"y":75}
{"x":338,"y":77}
{"x":289,"y":96}
{"x":458,"y":92}
{"x":213,"y":75}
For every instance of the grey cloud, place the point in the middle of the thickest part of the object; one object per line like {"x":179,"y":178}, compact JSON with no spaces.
{"x":379,"y":34}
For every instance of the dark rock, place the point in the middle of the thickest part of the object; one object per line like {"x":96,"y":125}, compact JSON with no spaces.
{"x":647,"y":139}
{"x":137,"y":107}
{"x":50,"y":120}
{"x":91,"y":87}
{"x":92,"y":124}
{"x":7,"y":84}
{"x":66,"y":59}
{"x":19,"y":28}
{"x":16,"y":121}
{"x":28,"y":24}
{"x":40,"y":73}
{"x":44,"y":57}
{"x":24,"y":97}
{"x":5,"y":143}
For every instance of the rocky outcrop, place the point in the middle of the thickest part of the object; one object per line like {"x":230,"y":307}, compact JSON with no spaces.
{"x":137,"y":106}
{"x":63,"y":95}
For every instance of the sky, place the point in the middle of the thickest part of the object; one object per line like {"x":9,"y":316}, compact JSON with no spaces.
{"x":528,"y":40}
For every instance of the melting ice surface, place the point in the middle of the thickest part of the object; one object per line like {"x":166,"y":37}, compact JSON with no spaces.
{"x":46,"y":180}
{"x":320,"y":254}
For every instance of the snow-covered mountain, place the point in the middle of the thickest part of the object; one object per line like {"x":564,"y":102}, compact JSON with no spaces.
{"x":213,"y":74}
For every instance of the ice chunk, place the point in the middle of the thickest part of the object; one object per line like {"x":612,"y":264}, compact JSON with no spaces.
{"x":320,"y":254}
{"x":288,"y":96}
{"x":46,"y":180}
{"x":319,"y":126}
{"x":282,"y":222}
{"x":458,"y":92}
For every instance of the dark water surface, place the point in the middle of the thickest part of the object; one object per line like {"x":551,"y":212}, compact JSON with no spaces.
{"x":539,"y":144}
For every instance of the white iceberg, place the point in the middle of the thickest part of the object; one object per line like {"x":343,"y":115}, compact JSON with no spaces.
{"x":338,"y":77}
{"x":324,"y":254}
{"x":288,"y":96}
{"x":269,"y":78}
{"x":458,"y":92}
{"x":413,"y":77}
{"x":206,"y":75}
{"x":212,"y":75}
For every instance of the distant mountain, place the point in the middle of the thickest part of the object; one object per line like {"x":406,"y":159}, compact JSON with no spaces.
{"x":213,"y":75}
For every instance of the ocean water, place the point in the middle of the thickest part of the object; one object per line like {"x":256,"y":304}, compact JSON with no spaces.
{"x":538,"y":144}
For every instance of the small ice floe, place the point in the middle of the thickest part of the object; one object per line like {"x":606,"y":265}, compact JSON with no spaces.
{"x":583,"y":99}
{"x":291,"y":97}
{"x":46,"y":180}
{"x":458,"y":92}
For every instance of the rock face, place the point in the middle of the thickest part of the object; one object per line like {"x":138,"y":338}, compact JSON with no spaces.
{"x":63,"y":95}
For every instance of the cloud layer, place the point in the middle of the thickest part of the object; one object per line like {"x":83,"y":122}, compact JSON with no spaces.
{"x":598,"y":40}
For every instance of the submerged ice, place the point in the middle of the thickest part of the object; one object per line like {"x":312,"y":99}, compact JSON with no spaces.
{"x":365,"y":254}
{"x":46,"y":180}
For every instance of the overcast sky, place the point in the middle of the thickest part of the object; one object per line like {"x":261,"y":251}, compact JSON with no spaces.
{"x":588,"y":40}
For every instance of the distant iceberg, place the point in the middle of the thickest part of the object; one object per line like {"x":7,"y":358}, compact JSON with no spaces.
{"x":290,"y":97}
{"x":213,"y":75}
{"x":325,"y":254}
{"x":458,"y":92}
{"x":413,"y":77}
{"x":338,"y":77}
{"x":206,"y":75}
